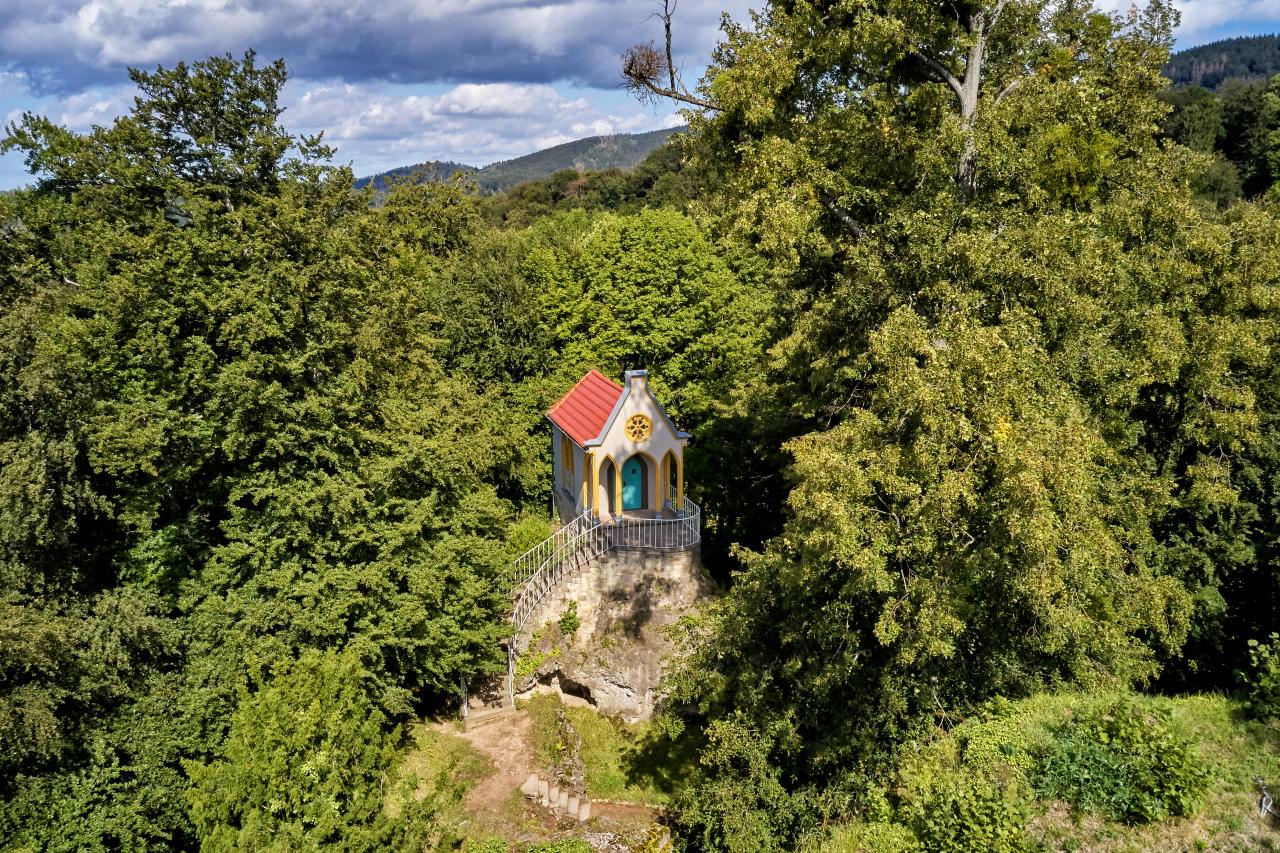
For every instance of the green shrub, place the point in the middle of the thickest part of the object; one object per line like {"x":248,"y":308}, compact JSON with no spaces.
{"x":564,"y":845}
{"x":1262,"y":682}
{"x":872,"y":837}
{"x":997,"y":742}
{"x":525,"y":532}
{"x":1122,"y":761}
{"x":492,"y":844}
{"x":961,"y":813}
{"x":569,"y":621}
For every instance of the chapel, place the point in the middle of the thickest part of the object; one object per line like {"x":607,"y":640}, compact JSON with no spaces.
{"x":616,"y":453}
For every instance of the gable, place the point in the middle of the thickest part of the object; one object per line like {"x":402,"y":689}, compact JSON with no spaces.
{"x":636,"y":398}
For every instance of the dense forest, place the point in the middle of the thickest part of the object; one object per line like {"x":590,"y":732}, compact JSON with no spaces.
{"x":977,"y":352}
{"x":1238,"y":126}
{"x":1209,"y":65}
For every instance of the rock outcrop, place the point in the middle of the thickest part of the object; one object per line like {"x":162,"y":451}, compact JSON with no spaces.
{"x":600,"y":636}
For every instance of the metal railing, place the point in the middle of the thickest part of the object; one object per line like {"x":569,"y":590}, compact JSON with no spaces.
{"x":673,"y":530}
{"x":537,"y":571}
{"x":586,"y":537}
{"x":554,"y":547}
{"x":581,"y":539}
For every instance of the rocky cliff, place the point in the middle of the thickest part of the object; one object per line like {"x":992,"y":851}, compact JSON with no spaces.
{"x":601,"y":636}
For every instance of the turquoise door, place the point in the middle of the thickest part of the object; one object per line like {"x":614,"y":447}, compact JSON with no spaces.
{"x":633,"y":484}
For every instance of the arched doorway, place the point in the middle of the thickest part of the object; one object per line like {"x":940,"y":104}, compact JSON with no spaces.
{"x":608,"y":478}
{"x":670,"y":478}
{"x":635,"y":483}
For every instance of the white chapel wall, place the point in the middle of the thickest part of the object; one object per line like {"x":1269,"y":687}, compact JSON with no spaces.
{"x":617,"y":445}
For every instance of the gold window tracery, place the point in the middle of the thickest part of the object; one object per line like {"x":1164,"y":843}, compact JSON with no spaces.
{"x":638,"y":428}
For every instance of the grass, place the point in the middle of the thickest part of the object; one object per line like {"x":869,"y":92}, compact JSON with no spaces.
{"x":1001,"y":744}
{"x":619,"y":760}
{"x":437,"y":767}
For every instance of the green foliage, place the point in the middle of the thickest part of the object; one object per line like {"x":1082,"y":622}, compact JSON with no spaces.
{"x":616,"y":764}
{"x":563,"y":845}
{"x":1124,"y":761}
{"x":1195,"y":119}
{"x":959,"y":814}
{"x":1240,"y":125}
{"x":1003,"y":399}
{"x":1231,"y":750}
{"x":525,"y":532}
{"x":226,"y":440}
{"x":994,"y":741}
{"x":569,"y":621}
{"x":304,"y":766}
{"x":1262,"y":681}
{"x":665,"y":178}
{"x":873,"y":837}
{"x":740,"y":802}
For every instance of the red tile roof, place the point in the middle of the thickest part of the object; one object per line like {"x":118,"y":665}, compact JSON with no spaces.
{"x":582,"y":412}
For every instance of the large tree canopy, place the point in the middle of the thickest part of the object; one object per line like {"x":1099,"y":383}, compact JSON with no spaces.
{"x":1024,"y":364}
{"x":227,"y":439}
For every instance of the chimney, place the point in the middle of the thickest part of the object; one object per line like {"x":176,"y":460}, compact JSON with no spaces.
{"x":637,"y":381}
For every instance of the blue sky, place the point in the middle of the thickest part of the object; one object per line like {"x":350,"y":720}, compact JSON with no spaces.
{"x":403,"y":81}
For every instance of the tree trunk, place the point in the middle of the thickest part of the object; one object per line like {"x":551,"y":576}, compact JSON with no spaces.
{"x":967,"y":168}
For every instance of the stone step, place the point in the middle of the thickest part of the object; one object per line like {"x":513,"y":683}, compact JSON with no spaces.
{"x":475,"y":719}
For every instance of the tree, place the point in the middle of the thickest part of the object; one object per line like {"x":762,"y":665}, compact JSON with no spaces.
{"x":227,"y":440}
{"x":1250,"y":115}
{"x":1196,"y":118}
{"x":1014,"y":404}
{"x":891,"y":55}
{"x":308,"y":762}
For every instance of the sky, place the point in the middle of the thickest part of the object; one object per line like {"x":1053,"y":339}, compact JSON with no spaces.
{"x":395,"y":82}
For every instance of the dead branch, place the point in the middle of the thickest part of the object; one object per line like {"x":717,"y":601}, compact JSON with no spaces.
{"x":846,"y":218}
{"x":642,"y":69}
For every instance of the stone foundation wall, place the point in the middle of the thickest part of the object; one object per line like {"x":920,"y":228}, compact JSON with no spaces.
{"x":614,"y":660}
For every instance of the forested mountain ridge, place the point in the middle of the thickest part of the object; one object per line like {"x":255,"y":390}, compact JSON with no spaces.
{"x":1247,"y":57}
{"x":618,"y":151}
{"x":441,"y":169}
{"x":594,"y":153}
{"x":985,"y":410}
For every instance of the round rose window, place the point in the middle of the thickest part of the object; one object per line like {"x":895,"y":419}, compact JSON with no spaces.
{"x":638,"y":427}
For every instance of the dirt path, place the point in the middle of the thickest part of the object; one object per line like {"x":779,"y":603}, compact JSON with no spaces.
{"x":506,"y":743}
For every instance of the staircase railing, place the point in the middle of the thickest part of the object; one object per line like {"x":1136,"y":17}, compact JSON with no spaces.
{"x":537,"y":571}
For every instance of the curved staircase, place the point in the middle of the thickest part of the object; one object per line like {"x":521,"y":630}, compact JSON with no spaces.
{"x":584,"y":539}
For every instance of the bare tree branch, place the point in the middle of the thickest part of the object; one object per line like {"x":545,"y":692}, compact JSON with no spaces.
{"x":643,"y":66}
{"x":940,"y":70}
{"x":846,"y":218}
{"x":1010,"y":89}
{"x":692,"y":100}
{"x":995,"y":16}
{"x":669,"y":9}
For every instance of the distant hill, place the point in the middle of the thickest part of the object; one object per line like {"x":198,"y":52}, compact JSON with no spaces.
{"x":1250,"y":57}
{"x":442,"y":168}
{"x":595,"y":153}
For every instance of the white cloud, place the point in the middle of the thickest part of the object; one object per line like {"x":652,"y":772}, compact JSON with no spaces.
{"x":470,"y":123}
{"x":1201,"y":19}
{"x":93,"y":107}
{"x":68,"y":45}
